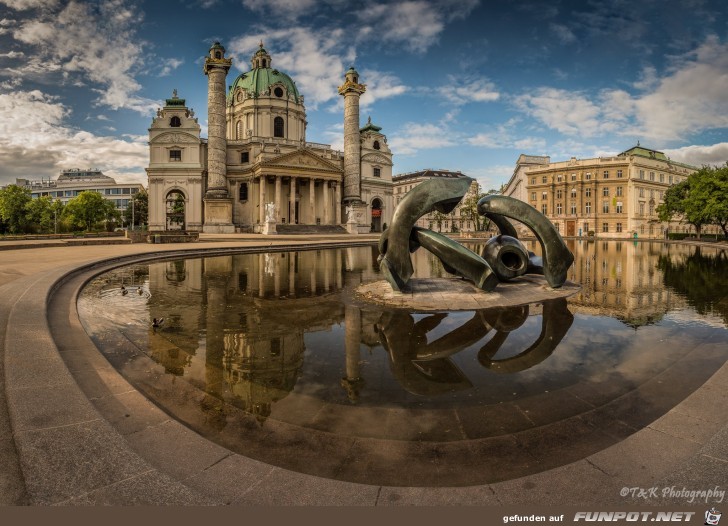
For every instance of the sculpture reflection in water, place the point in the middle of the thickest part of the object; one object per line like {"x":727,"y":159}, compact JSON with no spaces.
{"x":425,"y":368}
{"x":504,"y":257}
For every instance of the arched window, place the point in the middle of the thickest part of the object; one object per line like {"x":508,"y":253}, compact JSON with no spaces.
{"x":376,"y":145}
{"x":243,"y":192}
{"x":239,"y":130}
{"x":278,"y":127}
{"x":218,"y":54}
{"x":174,"y":122}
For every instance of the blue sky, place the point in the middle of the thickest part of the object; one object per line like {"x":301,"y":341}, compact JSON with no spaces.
{"x":456,"y":84}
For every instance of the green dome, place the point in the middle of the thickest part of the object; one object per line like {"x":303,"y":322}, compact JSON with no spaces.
{"x":258,"y":80}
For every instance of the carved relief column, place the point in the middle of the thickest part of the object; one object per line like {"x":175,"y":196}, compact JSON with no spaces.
{"x":218,"y":204}
{"x":292,"y":200}
{"x":279,"y":210}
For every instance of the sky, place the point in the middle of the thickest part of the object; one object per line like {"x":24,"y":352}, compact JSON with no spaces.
{"x":464,"y":85}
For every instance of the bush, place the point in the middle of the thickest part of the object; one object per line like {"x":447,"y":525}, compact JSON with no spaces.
{"x":590,"y":233}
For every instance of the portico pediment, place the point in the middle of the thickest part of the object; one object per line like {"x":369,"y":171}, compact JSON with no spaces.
{"x":301,"y":159}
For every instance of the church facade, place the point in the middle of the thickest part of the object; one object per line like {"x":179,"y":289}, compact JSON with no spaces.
{"x":256,"y":159}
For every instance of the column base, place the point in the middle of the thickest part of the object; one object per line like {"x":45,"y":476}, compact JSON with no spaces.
{"x":357,"y":221}
{"x":269,"y":228}
{"x":218,"y":216}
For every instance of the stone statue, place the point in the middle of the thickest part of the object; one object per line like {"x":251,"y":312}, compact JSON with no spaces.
{"x":270,"y":212}
{"x":350,"y":214}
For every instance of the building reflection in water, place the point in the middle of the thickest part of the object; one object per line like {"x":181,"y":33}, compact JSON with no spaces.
{"x":237,"y":326}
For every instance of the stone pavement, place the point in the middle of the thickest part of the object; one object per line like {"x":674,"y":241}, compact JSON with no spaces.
{"x":73,"y":431}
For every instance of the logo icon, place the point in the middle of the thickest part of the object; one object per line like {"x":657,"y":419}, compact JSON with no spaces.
{"x":712,"y":517}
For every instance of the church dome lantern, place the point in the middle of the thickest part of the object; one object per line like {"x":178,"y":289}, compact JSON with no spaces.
{"x":263,"y":80}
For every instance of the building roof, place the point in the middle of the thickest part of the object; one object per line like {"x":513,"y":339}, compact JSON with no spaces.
{"x":370,"y":127}
{"x":427,"y":172}
{"x":258,"y":80}
{"x":645,"y":152}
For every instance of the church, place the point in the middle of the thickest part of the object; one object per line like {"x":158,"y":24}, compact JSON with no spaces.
{"x":256,"y":166}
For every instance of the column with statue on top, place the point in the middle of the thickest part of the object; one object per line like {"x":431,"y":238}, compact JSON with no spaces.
{"x":356,"y":209}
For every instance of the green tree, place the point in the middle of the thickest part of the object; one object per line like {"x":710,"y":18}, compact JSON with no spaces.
{"x":140,"y":209}
{"x":57,"y":211}
{"x":90,"y":208}
{"x":14,"y":202}
{"x":469,"y":206}
{"x":40,"y":213}
{"x":711,"y":186}
{"x":686,"y":202}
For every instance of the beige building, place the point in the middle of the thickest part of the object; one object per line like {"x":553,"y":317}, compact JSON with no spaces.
{"x":607,"y":196}
{"x":256,"y":156}
{"x":456,"y":221}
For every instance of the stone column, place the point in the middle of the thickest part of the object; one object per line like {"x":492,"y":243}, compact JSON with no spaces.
{"x":312,"y":199}
{"x":337,"y":203}
{"x":327,"y":203}
{"x":292,"y":200}
{"x":291,"y":274}
{"x":352,"y":382}
{"x":279,"y":210}
{"x":218,"y":203}
{"x":261,"y":211}
{"x":351,"y":90}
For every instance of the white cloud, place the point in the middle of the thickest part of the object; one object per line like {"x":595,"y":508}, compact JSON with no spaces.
{"x":285,"y":8}
{"x":697,"y":155}
{"x":416,"y":24}
{"x":691,"y":98}
{"x":414,"y":137}
{"x":687,"y":99}
{"x":380,"y":86}
{"x":568,"y":112}
{"x":503,"y":137}
{"x":35,"y":142}
{"x":12,"y":54}
{"x":96,"y":41}
{"x":314,"y":59}
{"x":22,"y":5}
{"x":469,"y":89}
{"x":170,"y":65}
{"x":563,"y":33}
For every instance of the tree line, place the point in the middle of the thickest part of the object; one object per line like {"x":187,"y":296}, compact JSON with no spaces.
{"x":700,"y":200}
{"x":20,"y":213}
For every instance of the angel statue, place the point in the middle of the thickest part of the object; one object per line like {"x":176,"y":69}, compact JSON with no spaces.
{"x":270,"y":212}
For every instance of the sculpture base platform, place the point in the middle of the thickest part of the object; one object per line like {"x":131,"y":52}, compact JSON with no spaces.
{"x":352,"y":227}
{"x":452,"y":294}
{"x":219,"y":229}
{"x":269,"y":228}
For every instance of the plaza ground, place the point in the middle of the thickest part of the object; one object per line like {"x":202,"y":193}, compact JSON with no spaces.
{"x":73,"y":431}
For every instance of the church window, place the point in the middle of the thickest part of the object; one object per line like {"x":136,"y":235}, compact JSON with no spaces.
{"x":265,"y":63}
{"x":175,"y":122}
{"x":377,"y":172}
{"x":218,"y":54}
{"x":244,"y":157}
{"x":376,"y":145}
{"x":239,"y":130}
{"x":243,"y":192}
{"x":278,"y":92}
{"x":175,"y":155}
{"x":278,"y":127}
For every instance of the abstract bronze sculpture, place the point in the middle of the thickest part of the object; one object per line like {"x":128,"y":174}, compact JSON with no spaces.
{"x":504,"y":256}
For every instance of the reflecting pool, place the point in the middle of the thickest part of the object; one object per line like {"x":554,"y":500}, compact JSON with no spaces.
{"x":275,"y":356}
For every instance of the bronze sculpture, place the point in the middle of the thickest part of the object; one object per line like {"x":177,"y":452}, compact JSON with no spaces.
{"x":504,"y":256}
